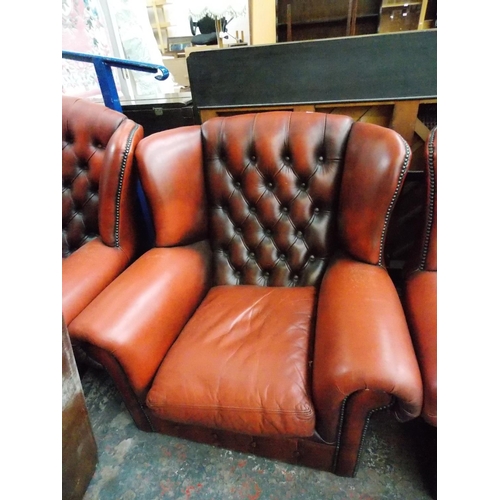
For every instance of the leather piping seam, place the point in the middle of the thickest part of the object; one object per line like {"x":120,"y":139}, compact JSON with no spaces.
{"x":432,"y":193}
{"x":123,"y":165}
{"x":393,"y":201}
{"x":339,"y":432}
{"x":363,"y":435}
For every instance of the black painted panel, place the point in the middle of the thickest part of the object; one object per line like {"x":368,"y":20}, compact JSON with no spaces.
{"x":392,"y":66}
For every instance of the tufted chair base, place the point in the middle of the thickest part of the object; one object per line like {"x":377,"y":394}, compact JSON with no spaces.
{"x":309,"y":452}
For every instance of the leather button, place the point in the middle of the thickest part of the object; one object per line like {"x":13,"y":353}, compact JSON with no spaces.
{"x":251,"y":255}
{"x":320,"y":158}
{"x":295,"y":278}
{"x":285,"y":210}
{"x":270,"y":185}
{"x":299,"y":234}
{"x":237,"y":184}
{"x":253,"y":209}
{"x":266,"y":274}
{"x":253,"y":158}
{"x":268,"y":232}
{"x":282,"y":256}
{"x":312,"y":258}
{"x":316,"y":210}
{"x":238,"y":230}
{"x":287,"y":158}
{"x":303,"y":185}
{"x":237,"y":274}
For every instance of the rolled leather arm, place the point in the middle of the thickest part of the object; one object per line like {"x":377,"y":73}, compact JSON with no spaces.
{"x":138,"y":317}
{"x":362,"y":344}
{"x":421,"y":311}
{"x":86,"y":272}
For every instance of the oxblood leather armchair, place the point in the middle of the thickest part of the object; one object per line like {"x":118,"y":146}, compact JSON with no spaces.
{"x":99,"y":226}
{"x":264,"y":319}
{"x":420,"y":292}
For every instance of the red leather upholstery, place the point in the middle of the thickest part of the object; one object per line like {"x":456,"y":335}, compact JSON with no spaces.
{"x":265,"y":309}
{"x":420,"y":294}
{"x":98,"y":199}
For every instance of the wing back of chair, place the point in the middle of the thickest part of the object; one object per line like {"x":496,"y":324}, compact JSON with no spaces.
{"x":420,"y":291}
{"x":98,"y":146}
{"x":428,"y":252}
{"x":271,"y":186}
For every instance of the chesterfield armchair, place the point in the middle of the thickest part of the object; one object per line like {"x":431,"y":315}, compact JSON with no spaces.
{"x":99,"y":223}
{"x":420,"y":290}
{"x":263,"y":320}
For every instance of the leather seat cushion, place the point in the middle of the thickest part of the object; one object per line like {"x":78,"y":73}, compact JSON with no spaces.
{"x":249,"y":372}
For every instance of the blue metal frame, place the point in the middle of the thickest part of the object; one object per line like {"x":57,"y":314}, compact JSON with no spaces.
{"x":102,"y":66}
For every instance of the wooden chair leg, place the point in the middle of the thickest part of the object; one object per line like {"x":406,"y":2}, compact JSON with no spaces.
{"x":118,"y":376}
{"x":357,"y":412}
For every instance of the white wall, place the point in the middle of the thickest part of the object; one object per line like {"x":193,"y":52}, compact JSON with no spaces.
{"x":263,"y":21}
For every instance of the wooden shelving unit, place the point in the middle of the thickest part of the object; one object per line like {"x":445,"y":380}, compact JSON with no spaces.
{"x":315,"y":19}
{"x":159,"y":23}
{"x":399,"y":15}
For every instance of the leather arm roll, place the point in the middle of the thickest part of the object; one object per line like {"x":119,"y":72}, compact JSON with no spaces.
{"x":421,"y":309}
{"x":362,"y":343}
{"x":86,"y":272}
{"x":138,"y":317}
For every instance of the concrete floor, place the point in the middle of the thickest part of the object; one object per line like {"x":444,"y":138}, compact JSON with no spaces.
{"x":398,"y":462}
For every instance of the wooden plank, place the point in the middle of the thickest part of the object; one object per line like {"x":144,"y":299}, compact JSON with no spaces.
{"x":404,"y":118}
{"x":422,"y":130}
{"x":79,"y":448}
{"x":372,"y":112}
{"x":288,"y":22}
{"x":381,"y":67}
{"x":423,"y":12}
{"x":206,"y":114}
{"x":351,"y":17}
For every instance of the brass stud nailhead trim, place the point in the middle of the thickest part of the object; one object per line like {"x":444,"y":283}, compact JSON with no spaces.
{"x":126,"y":153}
{"x":393,"y":201}
{"x":432,"y":194}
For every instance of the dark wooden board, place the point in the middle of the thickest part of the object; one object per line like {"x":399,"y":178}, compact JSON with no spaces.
{"x":381,"y":67}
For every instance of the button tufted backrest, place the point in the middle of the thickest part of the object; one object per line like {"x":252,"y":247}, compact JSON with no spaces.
{"x":273,"y":187}
{"x":97,"y":154}
{"x":288,"y":189}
